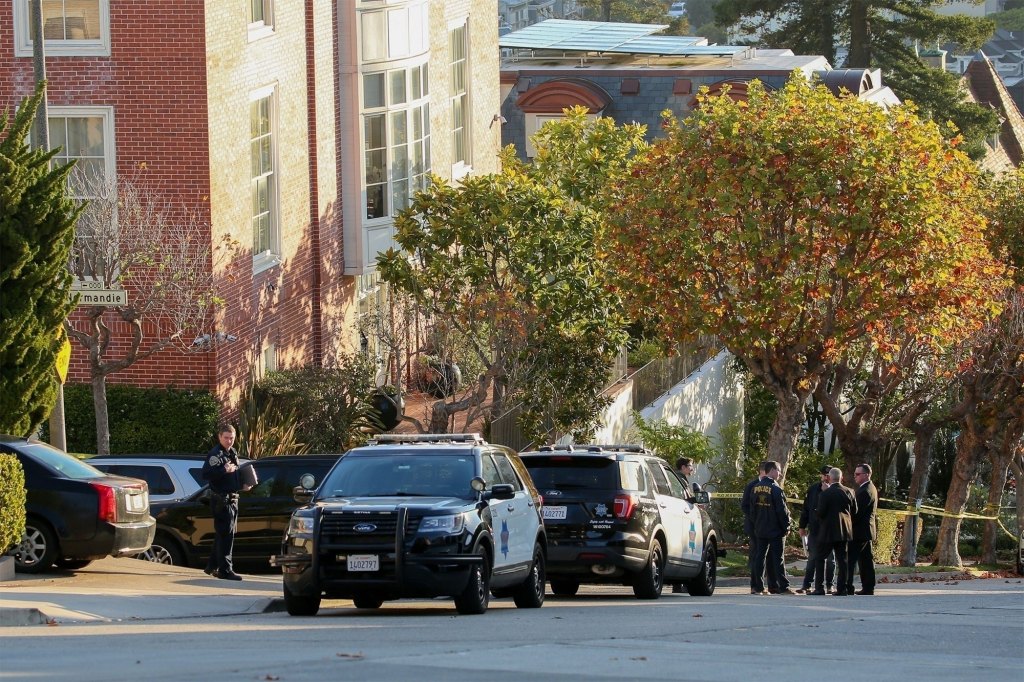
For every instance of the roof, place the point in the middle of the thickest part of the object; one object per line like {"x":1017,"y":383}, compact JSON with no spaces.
{"x":984,"y":86}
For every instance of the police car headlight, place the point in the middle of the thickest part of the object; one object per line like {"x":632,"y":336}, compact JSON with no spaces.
{"x":300,"y":525}
{"x":447,"y":524}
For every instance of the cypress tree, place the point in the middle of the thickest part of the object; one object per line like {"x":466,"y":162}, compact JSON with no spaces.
{"x":37,"y":230}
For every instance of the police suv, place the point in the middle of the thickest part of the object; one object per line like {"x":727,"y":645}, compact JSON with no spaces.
{"x":417,"y":516}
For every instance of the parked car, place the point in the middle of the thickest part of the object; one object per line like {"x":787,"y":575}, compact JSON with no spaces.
{"x":184,"y":529}
{"x":433,"y":515}
{"x":618,"y":514}
{"x":676,"y":10}
{"x":76,"y":513}
{"x":170,"y":477}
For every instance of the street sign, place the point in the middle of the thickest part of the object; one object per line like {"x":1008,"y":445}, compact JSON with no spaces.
{"x":63,"y":359}
{"x":107,"y":297}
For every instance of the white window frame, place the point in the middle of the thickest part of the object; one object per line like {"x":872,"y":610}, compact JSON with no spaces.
{"x":270,"y":257}
{"x":261,"y":28}
{"x":409,"y":108}
{"x":109,"y":152}
{"x":534,"y":122}
{"x":461,"y":135}
{"x":99,"y":47}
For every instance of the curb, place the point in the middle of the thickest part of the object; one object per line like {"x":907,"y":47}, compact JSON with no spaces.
{"x":17,"y":617}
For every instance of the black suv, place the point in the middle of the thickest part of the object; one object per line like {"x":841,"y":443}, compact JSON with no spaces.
{"x":619,"y":514}
{"x":417,"y":516}
{"x":184,"y":528}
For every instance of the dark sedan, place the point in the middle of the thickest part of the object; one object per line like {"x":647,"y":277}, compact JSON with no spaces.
{"x":75,"y":513}
{"x":184,"y":535}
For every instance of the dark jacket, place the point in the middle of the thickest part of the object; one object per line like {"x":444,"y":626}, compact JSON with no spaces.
{"x":213,"y":470}
{"x":865,"y":524}
{"x":748,"y":525}
{"x":768,"y":511}
{"x":836,"y":508}
{"x":808,"y":518}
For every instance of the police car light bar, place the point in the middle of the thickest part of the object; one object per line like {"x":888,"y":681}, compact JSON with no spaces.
{"x":427,"y":438}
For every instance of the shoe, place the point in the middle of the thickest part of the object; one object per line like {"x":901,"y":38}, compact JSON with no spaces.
{"x":868,"y":592}
{"x":818,"y":593}
{"x":839,"y":594}
{"x":786,"y":591}
{"x":229,"y":576}
{"x":760,"y":592}
{"x":802,"y":590}
{"x":209,"y":571}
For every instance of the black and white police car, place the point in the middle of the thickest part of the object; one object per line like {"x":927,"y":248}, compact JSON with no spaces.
{"x":417,"y":516}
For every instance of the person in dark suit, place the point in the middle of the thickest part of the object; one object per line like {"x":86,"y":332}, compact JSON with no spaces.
{"x":756,"y":586}
{"x":865,"y":530}
{"x":836,"y":508}
{"x":821,"y":564}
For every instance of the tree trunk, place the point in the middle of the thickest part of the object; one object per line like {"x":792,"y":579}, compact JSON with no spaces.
{"x":99,"y":399}
{"x":995,"y":498}
{"x":918,"y":489}
{"x":968,"y":451}
{"x":1017,"y":466}
{"x":785,"y":429}
{"x":859,"y":56}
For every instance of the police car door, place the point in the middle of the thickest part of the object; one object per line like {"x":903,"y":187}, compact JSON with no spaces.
{"x":523,"y":522}
{"x":672,"y":509}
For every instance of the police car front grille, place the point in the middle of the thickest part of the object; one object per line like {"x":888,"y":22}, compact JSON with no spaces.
{"x":374,"y":528}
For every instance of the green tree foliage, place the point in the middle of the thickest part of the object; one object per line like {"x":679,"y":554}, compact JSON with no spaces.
{"x":627,"y":11}
{"x":880,"y":34}
{"x":12,"y":501}
{"x":1009,"y":19}
{"x":37,"y":228}
{"x":671,"y":442}
{"x":508,"y":261}
{"x":795,"y":224}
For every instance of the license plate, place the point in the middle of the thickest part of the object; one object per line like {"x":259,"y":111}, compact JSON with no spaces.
{"x":554,"y":512}
{"x":136,"y":503}
{"x":363,"y":562}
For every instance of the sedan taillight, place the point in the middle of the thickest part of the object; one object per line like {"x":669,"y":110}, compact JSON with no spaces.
{"x":108,"y":502}
{"x":625,"y":505}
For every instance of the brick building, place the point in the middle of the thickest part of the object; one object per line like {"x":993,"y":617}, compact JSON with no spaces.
{"x":295,"y":129}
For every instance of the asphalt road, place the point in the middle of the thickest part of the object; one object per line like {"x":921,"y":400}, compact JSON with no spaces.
{"x":946,"y":630}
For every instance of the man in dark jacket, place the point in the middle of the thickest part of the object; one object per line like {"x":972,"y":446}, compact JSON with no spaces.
{"x":221,"y":470}
{"x":771,"y":521}
{"x":821,"y":565}
{"x":836,"y":508}
{"x":756,"y":586}
{"x":865,"y":530}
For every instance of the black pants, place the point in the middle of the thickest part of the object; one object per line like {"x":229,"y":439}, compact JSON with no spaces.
{"x":861,"y":556}
{"x":225,"y":523}
{"x":767,"y":558}
{"x":821,"y":565}
{"x":843,"y":567}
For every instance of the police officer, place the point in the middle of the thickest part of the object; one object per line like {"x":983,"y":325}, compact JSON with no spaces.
{"x":221,"y":470}
{"x":770,"y":518}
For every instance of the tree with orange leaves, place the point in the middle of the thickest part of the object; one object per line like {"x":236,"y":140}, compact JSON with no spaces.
{"x":796,"y":224}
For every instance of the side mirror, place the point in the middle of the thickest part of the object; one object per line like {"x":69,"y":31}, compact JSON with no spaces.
{"x":703,"y":497}
{"x":302,"y":495}
{"x":502,"y":491}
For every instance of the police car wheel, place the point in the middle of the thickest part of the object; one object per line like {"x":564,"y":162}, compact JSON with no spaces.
{"x":648,"y":582}
{"x":298,"y":605}
{"x":530,"y":595}
{"x":477,"y":595}
{"x":564,"y":587}
{"x":367,"y":601}
{"x":703,"y":585}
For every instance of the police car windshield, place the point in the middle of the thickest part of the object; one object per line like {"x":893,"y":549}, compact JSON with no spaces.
{"x":401,"y":475}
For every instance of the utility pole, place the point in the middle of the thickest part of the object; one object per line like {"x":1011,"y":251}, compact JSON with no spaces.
{"x":41,"y":140}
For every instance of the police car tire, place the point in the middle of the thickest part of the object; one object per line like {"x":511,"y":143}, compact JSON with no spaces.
{"x":703,"y":585}
{"x":477,"y":595}
{"x":565,"y":587}
{"x":648,"y":582}
{"x":298,"y":605}
{"x":530,"y":594}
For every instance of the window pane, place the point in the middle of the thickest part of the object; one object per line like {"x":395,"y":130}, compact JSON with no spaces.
{"x":375,"y":131}
{"x":257,"y":11}
{"x":398,"y":33}
{"x":426,"y":80}
{"x":85,"y":136}
{"x":400,"y":195}
{"x":399,"y":134}
{"x":375,"y":201}
{"x":373,"y":90}
{"x":374,"y":35}
{"x":415,"y":76}
{"x":397,"y":78}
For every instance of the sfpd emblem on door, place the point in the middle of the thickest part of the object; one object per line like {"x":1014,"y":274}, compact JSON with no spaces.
{"x":364,"y":528}
{"x":601,"y":510}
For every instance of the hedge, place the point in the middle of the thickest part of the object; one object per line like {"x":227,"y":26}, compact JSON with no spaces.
{"x":12,"y":502}
{"x":142,"y":420}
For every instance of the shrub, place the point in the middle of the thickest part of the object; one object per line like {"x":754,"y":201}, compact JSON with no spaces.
{"x":144,"y":420}
{"x":330,"y":406}
{"x":645,"y":351}
{"x":887,"y":545}
{"x":12,"y":502}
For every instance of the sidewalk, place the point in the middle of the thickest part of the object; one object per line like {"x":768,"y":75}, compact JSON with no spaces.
{"x":145,"y":591}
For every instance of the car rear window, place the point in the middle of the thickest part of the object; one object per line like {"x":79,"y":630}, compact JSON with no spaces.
{"x":156,"y":476}
{"x":560,"y":472}
{"x":61,"y":462}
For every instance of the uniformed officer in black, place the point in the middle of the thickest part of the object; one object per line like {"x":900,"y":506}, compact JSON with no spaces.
{"x":221,"y":470}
